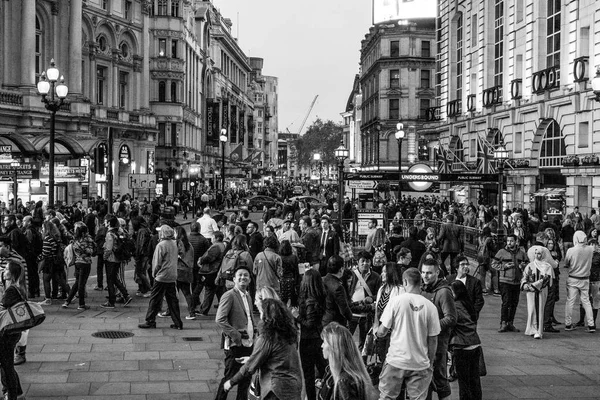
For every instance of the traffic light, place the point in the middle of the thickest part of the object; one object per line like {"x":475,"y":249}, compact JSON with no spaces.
{"x":99,"y":160}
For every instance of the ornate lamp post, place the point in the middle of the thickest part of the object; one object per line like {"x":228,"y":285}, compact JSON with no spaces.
{"x":47,"y":85}
{"x":223,"y":139}
{"x":341,"y":154}
{"x":500,"y":155}
{"x":317,"y":159}
{"x":399,"y":136}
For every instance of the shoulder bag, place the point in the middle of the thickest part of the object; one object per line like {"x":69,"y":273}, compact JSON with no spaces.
{"x":20,"y":317}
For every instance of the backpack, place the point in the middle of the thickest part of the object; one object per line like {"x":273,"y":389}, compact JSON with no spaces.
{"x":229,"y":265}
{"x":379,"y":258}
{"x":123,"y":247}
{"x":69,"y":255}
{"x":483,"y":250}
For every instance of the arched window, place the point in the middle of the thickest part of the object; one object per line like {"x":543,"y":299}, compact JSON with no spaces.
{"x":173,"y":92}
{"x":162,"y":91}
{"x":101,"y":43}
{"x":553,"y":147}
{"x":39,"y":46}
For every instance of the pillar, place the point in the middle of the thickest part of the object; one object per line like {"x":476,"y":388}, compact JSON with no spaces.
{"x":75,"y":34}
{"x":28,"y":43}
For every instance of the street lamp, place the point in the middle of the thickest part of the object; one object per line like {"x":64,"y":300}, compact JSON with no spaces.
{"x":399,"y":136}
{"x":341,"y":154}
{"x":317,"y":159}
{"x":48,"y":85}
{"x":500,"y":155}
{"x":223,"y":139}
{"x":596,"y":85}
{"x":193,"y":182}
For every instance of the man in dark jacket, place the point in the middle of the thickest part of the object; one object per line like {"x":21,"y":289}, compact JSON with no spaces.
{"x":416,"y":247}
{"x":337,"y":307}
{"x":473,"y":285}
{"x":99,"y":239}
{"x":450,"y":239}
{"x":255,"y":239}
{"x":34,"y":247}
{"x":437,"y":290}
{"x":17,"y":238}
{"x":212,"y":258}
{"x":310,"y":239}
{"x":200,"y":245}
{"x":142,"y":237}
{"x":329,"y":244}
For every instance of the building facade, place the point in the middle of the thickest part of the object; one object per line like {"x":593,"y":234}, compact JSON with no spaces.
{"x":397,"y":64}
{"x":519,"y":73}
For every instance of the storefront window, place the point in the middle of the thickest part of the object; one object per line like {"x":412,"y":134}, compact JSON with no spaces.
{"x":553,"y":147}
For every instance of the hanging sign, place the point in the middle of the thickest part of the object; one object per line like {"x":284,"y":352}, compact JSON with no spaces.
{"x":124,"y":154}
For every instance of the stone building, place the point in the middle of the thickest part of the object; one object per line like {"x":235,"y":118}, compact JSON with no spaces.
{"x":519,"y":73}
{"x":397,"y":62}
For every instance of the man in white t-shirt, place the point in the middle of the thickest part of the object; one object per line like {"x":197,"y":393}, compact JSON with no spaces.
{"x":208,"y":226}
{"x":415,"y":324}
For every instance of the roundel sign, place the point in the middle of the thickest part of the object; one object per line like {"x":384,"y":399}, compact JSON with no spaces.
{"x":421,"y":169}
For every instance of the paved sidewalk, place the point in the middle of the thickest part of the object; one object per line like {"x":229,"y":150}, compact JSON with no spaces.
{"x":64,"y":361}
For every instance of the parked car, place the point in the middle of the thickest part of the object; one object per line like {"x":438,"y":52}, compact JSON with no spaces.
{"x":256,"y":203}
{"x":298,"y":190}
{"x":310,"y":200}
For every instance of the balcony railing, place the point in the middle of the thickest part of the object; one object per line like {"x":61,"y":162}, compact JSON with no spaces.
{"x":433,"y":114}
{"x":492,"y":96}
{"x":579,"y":69}
{"x":453,"y":108}
{"x":11,"y":98}
{"x":112,"y":114}
{"x":546,"y":79}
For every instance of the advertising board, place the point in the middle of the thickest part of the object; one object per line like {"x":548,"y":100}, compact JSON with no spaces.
{"x":394,"y":10}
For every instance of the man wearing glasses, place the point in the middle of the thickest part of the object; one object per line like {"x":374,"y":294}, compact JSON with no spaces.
{"x":473,"y":285}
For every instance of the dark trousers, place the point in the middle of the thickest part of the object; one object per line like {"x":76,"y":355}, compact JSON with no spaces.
{"x":10,"y":379}
{"x":363,"y":324}
{"x":311,"y":357}
{"x":197,"y":288}
{"x":82,"y":272}
{"x":168,"y":291}
{"x":33,"y":278}
{"x":112,"y":280}
{"x":510,"y":301}
{"x":550,"y":302}
{"x":141,"y":275}
{"x":231,"y":368}
{"x":466,"y":363}
{"x":58,"y":279}
{"x":453,"y":256}
{"x":100,"y":271}
{"x":210,"y":290}
{"x":439,"y":382}
{"x":186,"y":289}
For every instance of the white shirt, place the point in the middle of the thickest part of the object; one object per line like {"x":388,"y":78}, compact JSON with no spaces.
{"x":412,"y":319}
{"x":208,"y":226}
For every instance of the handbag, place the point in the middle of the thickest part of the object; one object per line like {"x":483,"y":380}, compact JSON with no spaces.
{"x":254,"y":389}
{"x":69,"y":255}
{"x":346,"y":251}
{"x":374,"y":366}
{"x":20,"y":317}
{"x":369,"y":345}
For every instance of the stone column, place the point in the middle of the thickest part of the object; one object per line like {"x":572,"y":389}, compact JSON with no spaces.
{"x":28,"y":43}
{"x":75,"y":34}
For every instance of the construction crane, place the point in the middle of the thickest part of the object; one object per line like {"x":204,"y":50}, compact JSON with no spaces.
{"x":306,"y":117}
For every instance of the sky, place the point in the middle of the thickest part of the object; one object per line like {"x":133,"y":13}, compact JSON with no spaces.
{"x":312,"y":46}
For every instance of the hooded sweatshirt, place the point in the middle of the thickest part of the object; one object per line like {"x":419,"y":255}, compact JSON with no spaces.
{"x":440,"y":294}
{"x":164,"y":261}
{"x":579,"y":258}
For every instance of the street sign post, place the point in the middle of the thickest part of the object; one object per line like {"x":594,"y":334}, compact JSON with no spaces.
{"x":362,"y":184}
{"x":142,"y":181}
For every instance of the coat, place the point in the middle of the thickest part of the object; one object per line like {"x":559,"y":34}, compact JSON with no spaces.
{"x":231,"y":316}
{"x":451,"y":238}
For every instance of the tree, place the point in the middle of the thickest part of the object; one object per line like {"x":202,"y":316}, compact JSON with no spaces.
{"x":320,"y":137}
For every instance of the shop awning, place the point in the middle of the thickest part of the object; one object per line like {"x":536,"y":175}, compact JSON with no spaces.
{"x":549,"y":192}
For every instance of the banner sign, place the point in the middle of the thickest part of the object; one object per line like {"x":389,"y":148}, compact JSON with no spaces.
{"x":420,"y":177}
{"x":24,"y":171}
{"x":63,"y":173}
{"x":365,"y":216}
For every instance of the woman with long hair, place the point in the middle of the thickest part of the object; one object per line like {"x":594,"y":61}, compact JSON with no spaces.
{"x":465,"y":343}
{"x":49,"y":262}
{"x":84,"y":248}
{"x":291,"y":277}
{"x":185,"y":264}
{"x":553,"y":291}
{"x":14,"y":293}
{"x":275,"y":355}
{"x":346,"y":367}
{"x":310,"y":315}
{"x":520,"y":231}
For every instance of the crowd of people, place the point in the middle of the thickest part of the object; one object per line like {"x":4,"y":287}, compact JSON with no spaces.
{"x":411,"y":292}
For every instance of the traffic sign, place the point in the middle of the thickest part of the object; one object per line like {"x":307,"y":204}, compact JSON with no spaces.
{"x":142,"y":181}
{"x":362,"y":184}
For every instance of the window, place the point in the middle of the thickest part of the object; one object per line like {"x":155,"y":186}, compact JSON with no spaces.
{"x":162,"y":7}
{"x":101,"y":43}
{"x":425,"y":78}
{"x":124,"y":50}
{"x":259,"y":127}
{"x":123,"y":89}
{"x":518,"y":145}
{"x":173,"y":92}
{"x":459,"y":58}
{"x":553,"y":147}
{"x":498,"y":43}
{"x":127,"y":9}
{"x":174,"y":135}
{"x":553,"y":36}
{"x":38,"y":48}
{"x":424,"y":104}
{"x":459,"y":151}
{"x":583,"y":138}
{"x":474,"y":29}
{"x":473,"y":149}
{"x":174,"y":8}
{"x":395,"y":48}
{"x":104,"y":4}
{"x":162,"y":47}
{"x":162,"y":91}
{"x":394,"y":109}
{"x":394,"y":78}
{"x":425,"y":48}
{"x":173,"y":48}
{"x":260,"y":113}
{"x":101,"y":75}
{"x":258,"y":97}
{"x":161,"y":133}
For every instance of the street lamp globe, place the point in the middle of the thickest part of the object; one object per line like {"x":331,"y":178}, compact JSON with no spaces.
{"x":61,"y":89}
{"x":341,"y":153}
{"x":316,"y":157}
{"x":500,"y":153}
{"x":399,"y":131}
{"x":52,"y":72}
{"x":43,"y":86}
{"x":223,"y":137}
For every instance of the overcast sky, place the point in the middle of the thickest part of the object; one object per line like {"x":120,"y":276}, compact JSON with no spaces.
{"x":312,"y":46}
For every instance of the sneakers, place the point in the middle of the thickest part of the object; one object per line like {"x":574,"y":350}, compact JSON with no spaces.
{"x":127,"y":301}
{"x":190,"y":317}
{"x":147,"y":325}
{"x":98,"y":288}
{"x":177,"y":327}
{"x":65,"y":304}
{"x":47,"y":302}
{"x":147,"y":294}
{"x":537,"y":336}
{"x":142,"y":294}
{"x":570,"y":327}
{"x":591,"y":328}
{"x":497,"y":293}
{"x":107,"y":305}
{"x":83,"y":307}
{"x":580,"y":323}
{"x":512,"y":328}
{"x":164,"y":314}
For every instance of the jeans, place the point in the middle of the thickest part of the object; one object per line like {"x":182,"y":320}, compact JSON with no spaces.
{"x":581,"y":288}
{"x":453,"y":256}
{"x":210,"y":289}
{"x":311,"y":356}
{"x":185,"y":288}
{"x":58,"y":278}
{"x":231,"y":368}
{"x":141,"y":275}
{"x":10,"y":379}
{"x":363,"y":324}
{"x":550,"y":302}
{"x":466,"y":363}
{"x":392,"y":378}
{"x":82,"y":272}
{"x":483,"y":270}
{"x":168,"y":291}
{"x":197,"y":288}
{"x":112,"y":280}
{"x":510,"y":301}
{"x":100,"y":271}
{"x":439,"y":382}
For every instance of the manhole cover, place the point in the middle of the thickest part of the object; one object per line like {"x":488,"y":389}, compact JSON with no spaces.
{"x":112,"y":334}
{"x":193,"y":339}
